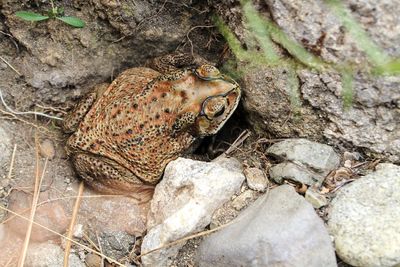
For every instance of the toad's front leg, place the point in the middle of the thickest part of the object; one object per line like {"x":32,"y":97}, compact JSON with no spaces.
{"x":75,"y":116}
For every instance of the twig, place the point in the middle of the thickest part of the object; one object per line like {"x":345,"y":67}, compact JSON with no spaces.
{"x":38,"y":184}
{"x":193,"y":28}
{"x":24,"y":121}
{"x":100,"y":249}
{"x":60,"y":109}
{"x":72,"y":224}
{"x":90,"y":241}
{"x":63,"y":236}
{"x":5,"y":61}
{"x":12,"y":162}
{"x":26,"y":112}
{"x":12,"y":40}
{"x":243,"y":136}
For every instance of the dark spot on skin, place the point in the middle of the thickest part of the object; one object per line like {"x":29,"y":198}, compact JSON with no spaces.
{"x":183,"y":94}
{"x":154,"y":99}
{"x":163,"y":95}
{"x":129,"y":131}
{"x":157,"y":116}
{"x":167,"y":110}
{"x":92,"y":145}
{"x":135,"y":105}
{"x":141,"y":126}
{"x":114,"y":116}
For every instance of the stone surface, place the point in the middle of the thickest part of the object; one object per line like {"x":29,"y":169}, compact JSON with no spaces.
{"x":5,"y":146}
{"x":373,"y":122}
{"x":47,"y":254}
{"x":295,"y":172}
{"x":279,"y":229}
{"x":256,"y":179}
{"x":243,"y":199}
{"x":185,"y":200}
{"x":318,"y":157}
{"x":316,"y":199}
{"x":116,"y":245}
{"x":364,"y":219}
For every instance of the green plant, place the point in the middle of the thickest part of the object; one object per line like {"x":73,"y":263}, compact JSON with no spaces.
{"x":53,"y":13}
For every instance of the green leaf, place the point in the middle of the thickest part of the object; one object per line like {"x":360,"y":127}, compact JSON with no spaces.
{"x":73,"y":21}
{"x":30,"y":16}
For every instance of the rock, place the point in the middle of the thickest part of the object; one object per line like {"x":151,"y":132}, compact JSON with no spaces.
{"x":53,"y":215}
{"x":93,"y":260}
{"x":280,"y":228}
{"x":116,"y":245}
{"x":316,"y":199}
{"x":243,"y":199}
{"x":47,"y":149}
{"x":311,"y":101}
{"x":364,"y":219}
{"x":184,"y":202}
{"x":47,"y":254}
{"x":256,"y":179}
{"x":318,"y":157}
{"x":5,"y":146}
{"x":295,"y":172}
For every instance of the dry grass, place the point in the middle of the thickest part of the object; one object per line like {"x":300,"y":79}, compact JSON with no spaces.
{"x":72,"y":224}
{"x":38,"y":185}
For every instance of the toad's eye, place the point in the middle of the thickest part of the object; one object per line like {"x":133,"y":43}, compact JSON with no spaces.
{"x":207,"y":72}
{"x":213,"y":107}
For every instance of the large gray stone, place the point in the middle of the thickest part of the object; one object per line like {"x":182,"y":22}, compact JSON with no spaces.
{"x":184,"y":202}
{"x":364,"y":219}
{"x":279,"y":229}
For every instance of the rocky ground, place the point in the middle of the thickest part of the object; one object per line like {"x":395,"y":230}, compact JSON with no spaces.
{"x":314,"y":184}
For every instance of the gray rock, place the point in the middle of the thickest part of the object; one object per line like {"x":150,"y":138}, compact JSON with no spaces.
{"x":47,"y":254}
{"x":5,"y":146}
{"x":319,"y":157}
{"x":315,"y":198}
{"x":279,"y":229}
{"x":256,"y":179}
{"x":364,"y":219}
{"x":243,"y":199}
{"x":295,"y":172}
{"x":184,"y":202}
{"x":116,"y":245}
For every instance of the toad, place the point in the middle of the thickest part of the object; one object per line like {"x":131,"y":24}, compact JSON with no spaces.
{"x":126,"y":132}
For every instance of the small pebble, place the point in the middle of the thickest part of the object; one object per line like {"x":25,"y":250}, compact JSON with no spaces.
{"x":93,"y":260}
{"x":47,"y":149}
{"x":242,"y":200}
{"x":256,"y":179}
{"x":316,"y":199}
{"x":78,"y":231}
